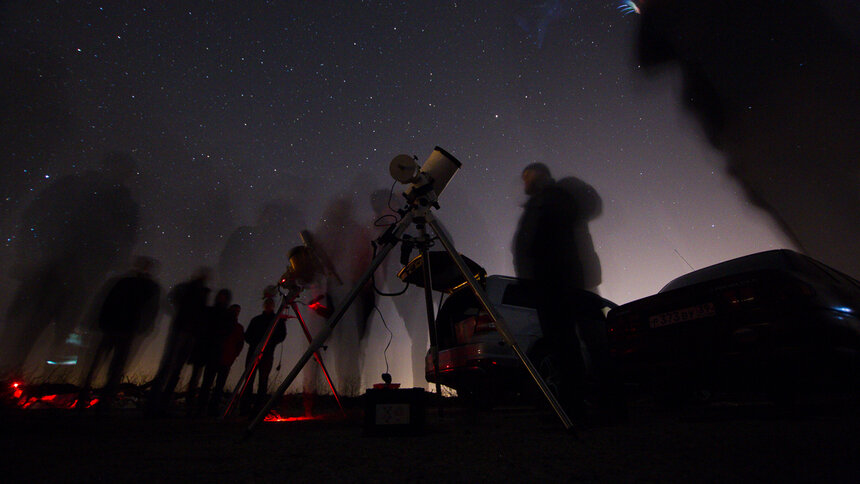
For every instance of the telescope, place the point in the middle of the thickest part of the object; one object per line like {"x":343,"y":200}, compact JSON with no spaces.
{"x":427,"y":181}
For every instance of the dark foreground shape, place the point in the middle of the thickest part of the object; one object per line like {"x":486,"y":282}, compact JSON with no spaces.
{"x":728,"y":443}
{"x":777,"y":322}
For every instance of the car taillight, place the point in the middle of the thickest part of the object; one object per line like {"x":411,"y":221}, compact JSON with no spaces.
{"x":624,"y":328}
{"x":766,"y":290}
{"x":740,"y":295}
{"x":793,"y":288}
{"x":467,"y":328}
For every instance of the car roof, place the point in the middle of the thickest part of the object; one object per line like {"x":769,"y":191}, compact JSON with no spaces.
{"x":779,"y":259}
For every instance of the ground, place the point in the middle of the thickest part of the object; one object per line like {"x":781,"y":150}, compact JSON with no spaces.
{"x":716,"y":442}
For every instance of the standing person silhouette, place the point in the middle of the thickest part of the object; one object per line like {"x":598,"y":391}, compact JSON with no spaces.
{"x":189,"y":305}
{"x":225,"y":343}
{"x":410,"y":304}
{"x":557,"y":263}
{"x":129,"y":311}
{"x":254,"y":336}
{"x":347,"y":243}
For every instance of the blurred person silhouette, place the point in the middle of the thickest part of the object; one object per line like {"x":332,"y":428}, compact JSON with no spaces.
{"x":347,"y":244}
{"x":555,"y":258}
{"x":227,"y":343}
{"x":127,"y":314}
{"x":38,"y":118}
{"x":410,"y":305}
{"x":314,"y":284}
{"x":188,"y":300}
{"x":775,"y":88}
{"x":70,"y":237}
{"x":252,"y":256}
{"x":208,"y":338}
{"x":254,"y":336}
{"x":587,"y":206}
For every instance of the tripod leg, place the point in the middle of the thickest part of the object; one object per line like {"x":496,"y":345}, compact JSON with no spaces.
{"x":390,"y":239}
{"x":318,"y":357}
{"x":431,"y":318}
{"x":501,"y":325}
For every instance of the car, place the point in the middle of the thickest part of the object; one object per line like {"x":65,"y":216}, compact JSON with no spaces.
{"x":474,"y":359}
{"x":773,"y":321}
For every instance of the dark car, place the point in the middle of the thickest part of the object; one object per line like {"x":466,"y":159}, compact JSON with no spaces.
{"x":476,"y":361}
{"x":769,"y":321}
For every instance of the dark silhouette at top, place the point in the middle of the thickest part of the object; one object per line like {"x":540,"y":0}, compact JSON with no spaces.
{"x":254,"y":256}
{"x":775,"y":87}
{"x":35,"y":112}
{"x":76,"y":230}
{"x":127,"y":315}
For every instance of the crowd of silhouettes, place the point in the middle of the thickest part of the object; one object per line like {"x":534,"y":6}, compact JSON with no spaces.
{"x":208,"y":338}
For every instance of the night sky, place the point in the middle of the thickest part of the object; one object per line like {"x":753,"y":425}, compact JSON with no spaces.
{"x":228,"y":106}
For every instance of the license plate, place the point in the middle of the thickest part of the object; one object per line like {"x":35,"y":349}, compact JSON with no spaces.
{"x":681,"y":315}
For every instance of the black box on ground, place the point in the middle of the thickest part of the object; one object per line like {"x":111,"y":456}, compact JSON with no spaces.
{"x":392,"y":411}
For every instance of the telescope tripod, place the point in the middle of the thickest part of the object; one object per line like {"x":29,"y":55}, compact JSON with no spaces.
{"x":417,"y":212}
{"x":288,"y":301}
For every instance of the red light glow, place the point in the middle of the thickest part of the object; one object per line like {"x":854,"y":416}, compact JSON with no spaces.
{"x":65,"y":401}
{"x":274,"y":416}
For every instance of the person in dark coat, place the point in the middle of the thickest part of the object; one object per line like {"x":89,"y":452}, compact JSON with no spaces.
{"x":225,"y":342}
{"x":129,"y":311}
{"x":208,"y":337}
{"x":189,"y":303}
{"x":557,"y":264}
{"x":254,"y":336}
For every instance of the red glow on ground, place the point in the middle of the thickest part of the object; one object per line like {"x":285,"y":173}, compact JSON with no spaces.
{"x":274,"y":416}
{"x":64,"y":401}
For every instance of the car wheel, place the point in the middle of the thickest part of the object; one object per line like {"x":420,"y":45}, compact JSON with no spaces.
{"x":550,"y":369}
{"x":556,"y":374}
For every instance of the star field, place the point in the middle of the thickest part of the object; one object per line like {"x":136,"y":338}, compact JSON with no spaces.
{"x":228,"y":106}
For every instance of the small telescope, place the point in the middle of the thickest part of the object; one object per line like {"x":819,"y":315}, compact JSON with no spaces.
{"x":429,"y":180}
{"x":301,"y":269}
